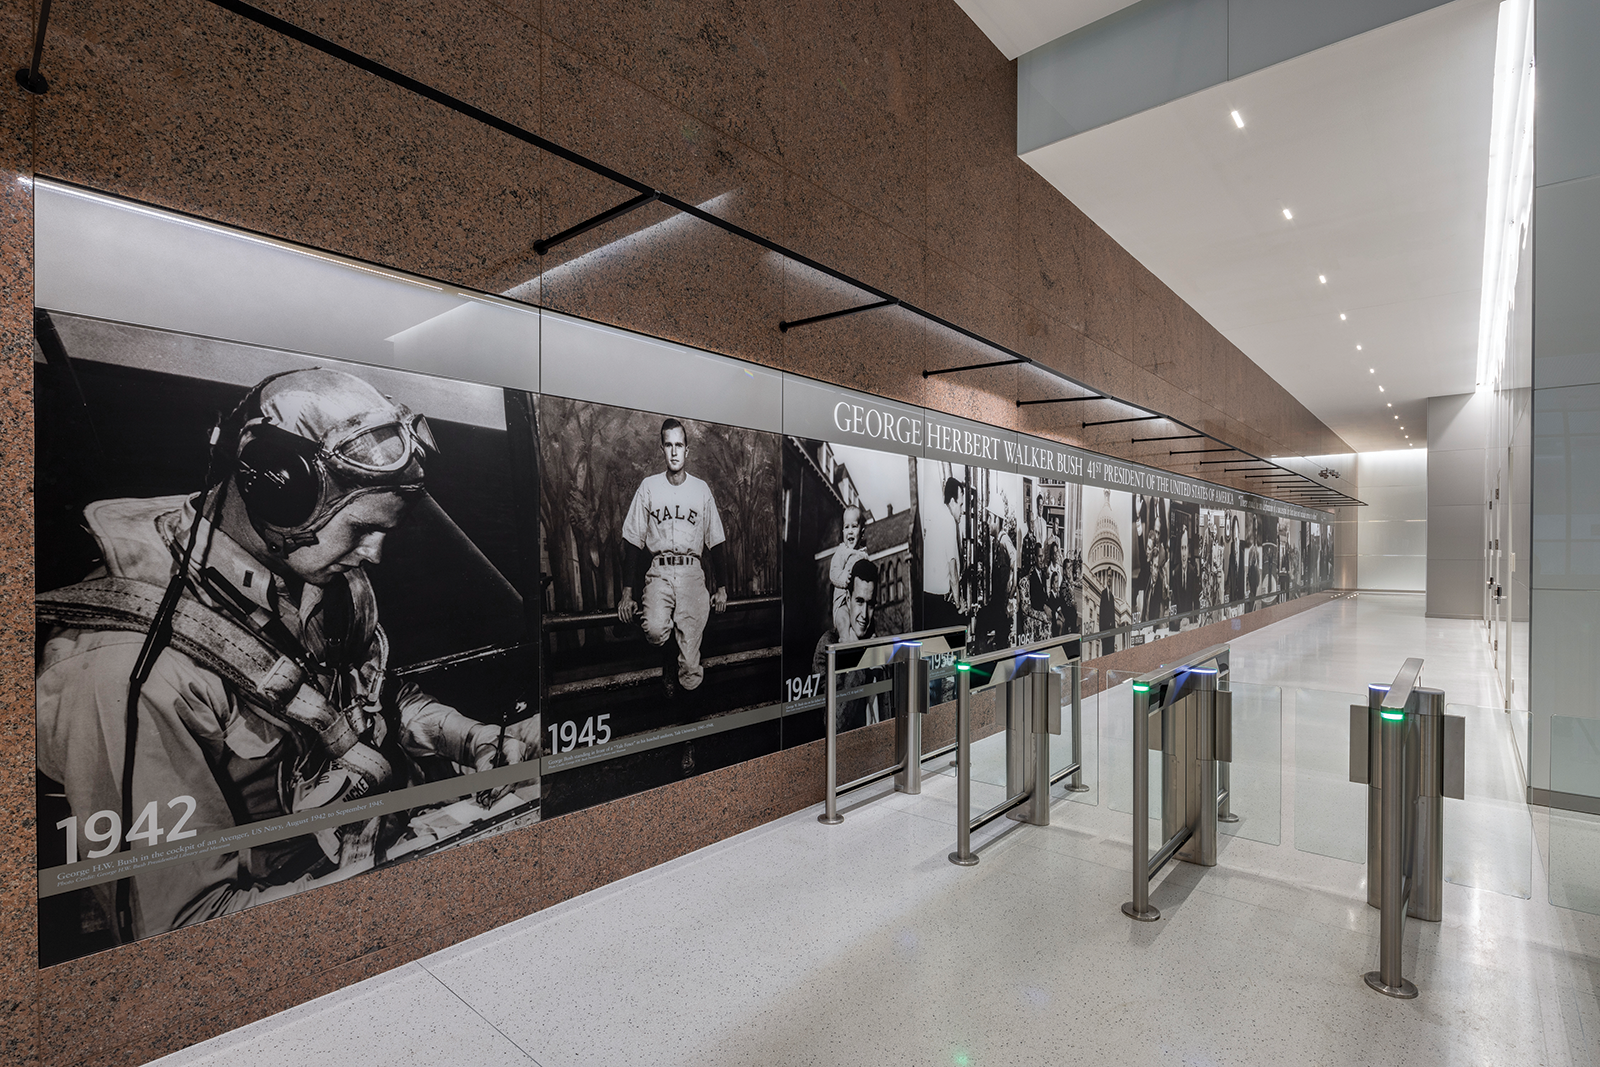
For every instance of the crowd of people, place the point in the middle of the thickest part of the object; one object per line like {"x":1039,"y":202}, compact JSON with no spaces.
{"x":1186,"y":560}
{"x":1010,"y":579}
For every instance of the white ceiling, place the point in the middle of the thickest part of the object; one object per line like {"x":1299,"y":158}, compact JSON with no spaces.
{"x":1379,"y":145}
{"x":1018,"y":26}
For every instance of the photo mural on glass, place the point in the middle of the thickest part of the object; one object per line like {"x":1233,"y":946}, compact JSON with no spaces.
{"x":659,"y":558}
{"x":852,"y":556}
{"x":1107,"y":589}
{"x":269,"y":585}
{"x":299,"y":617}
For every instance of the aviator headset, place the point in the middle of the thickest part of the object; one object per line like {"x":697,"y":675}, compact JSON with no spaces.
{"x":292,"y":484}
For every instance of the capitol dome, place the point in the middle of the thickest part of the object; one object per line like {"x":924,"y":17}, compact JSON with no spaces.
{"x":1107,"y":562}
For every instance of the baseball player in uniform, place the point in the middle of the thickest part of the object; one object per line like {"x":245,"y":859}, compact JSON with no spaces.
{"x":671,"y":526}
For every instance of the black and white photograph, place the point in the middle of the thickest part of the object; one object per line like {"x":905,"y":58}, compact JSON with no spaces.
{"x":1261,"y":560}
{"x":1108,"y":531}
{"x":1213,"y":557}
{"x":852,"y":546}
{"x":1291,"y":551}
{"x":1149,"y":597}
{"x":1050,"y":578}
{"x":973,"y":540}
{"x":1183,"y":564}
{"x":1167,"y":562}
{"x":1319,"y":558}
{"x":269,"y":584}
{"x":659,"y":552}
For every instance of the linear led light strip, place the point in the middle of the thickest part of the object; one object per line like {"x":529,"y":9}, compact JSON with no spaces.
{"x":647,"y":194}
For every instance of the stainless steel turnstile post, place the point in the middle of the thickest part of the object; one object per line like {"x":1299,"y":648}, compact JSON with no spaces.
{"x":1411,"y":755}
{"x":1034,"y":680}
{"x":911,"y":704}
{"x":1075,"y":783}
{"x":907,"y":655}
{"x":1194,"y":734}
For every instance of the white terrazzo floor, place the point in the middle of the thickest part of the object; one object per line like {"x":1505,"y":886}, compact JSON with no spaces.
{"x":798,"y":943}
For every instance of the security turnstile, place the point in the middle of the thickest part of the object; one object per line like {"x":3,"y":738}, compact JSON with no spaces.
{"x":1193,"y":715}
{"x":907,"y":655}
{"x":1410,"y":755}
{"x":1033,"y":680}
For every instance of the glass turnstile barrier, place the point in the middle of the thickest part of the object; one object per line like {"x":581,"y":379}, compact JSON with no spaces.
{"x":1256,"y":773}
{"x":1330,"y":811}
{"x":1038,"y":692}
{"x":1488,"y":834}
{"x":1521,"y":727}
{"x":1254,"y":776}
{"x":906,"y":659}
{"x":1575,"y":835}
{"x":989,"y":755}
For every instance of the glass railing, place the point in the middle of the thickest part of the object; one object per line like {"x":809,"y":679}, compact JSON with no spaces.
{"x":1575,"y":836}
{"x":1488,"y":835}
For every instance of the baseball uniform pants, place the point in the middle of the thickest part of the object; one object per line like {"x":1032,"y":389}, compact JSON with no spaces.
{"x":676,"y":602}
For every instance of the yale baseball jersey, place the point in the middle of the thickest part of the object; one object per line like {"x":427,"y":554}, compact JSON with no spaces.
{"x":677,"y":519}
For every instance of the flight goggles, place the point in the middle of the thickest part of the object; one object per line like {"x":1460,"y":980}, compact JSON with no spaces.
{"x":366,"y":451}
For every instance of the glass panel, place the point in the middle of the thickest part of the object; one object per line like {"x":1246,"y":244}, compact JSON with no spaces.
{"x":1575,"y":836}
{"x":1256,"y":774}
{"x":988,"y":772}
{"x":989,"y":754}
{"x":1116,"y":733}
{"x":1089,"y":732}
{"x":1522,"y":735}
{"x":1488,"y":836}
{"x":1330,"y":811}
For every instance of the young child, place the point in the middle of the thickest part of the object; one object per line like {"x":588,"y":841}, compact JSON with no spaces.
{"x":844,"y":558}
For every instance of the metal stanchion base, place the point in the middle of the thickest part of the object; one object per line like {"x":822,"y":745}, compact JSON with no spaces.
{"x":963,"y":861}
{"x":1018,"y":814}
{"x":1404,"y":991}
{"x":1149,"y":915}
{"x":1230,"y":817}
{"x":827,"y":821}
{"x":1079,"y":788}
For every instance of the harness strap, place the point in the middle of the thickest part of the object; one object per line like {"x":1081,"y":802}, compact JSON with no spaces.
{"x":270,"y":680}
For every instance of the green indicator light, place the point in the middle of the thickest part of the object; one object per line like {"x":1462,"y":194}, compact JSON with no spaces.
{"x":1139,"y":687}
{"x":1393,"y":716}
{"x":963,"y":666}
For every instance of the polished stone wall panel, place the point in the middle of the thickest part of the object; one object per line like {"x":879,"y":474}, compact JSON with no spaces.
{"x":210,"y":114}
{"x":18,"y":912}
{"x":873,"y":137}
{"x":854,"y":82}
{"x":973,"y":180}
{"x":714,"y":61}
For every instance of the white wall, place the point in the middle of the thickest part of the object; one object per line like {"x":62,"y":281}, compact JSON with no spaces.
{"x":1391,"y":532}
{"x":1458,"y":427}
{"x":1565,"y":579}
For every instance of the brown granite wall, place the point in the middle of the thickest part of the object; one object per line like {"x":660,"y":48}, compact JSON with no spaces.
{"x":878,"y":138}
